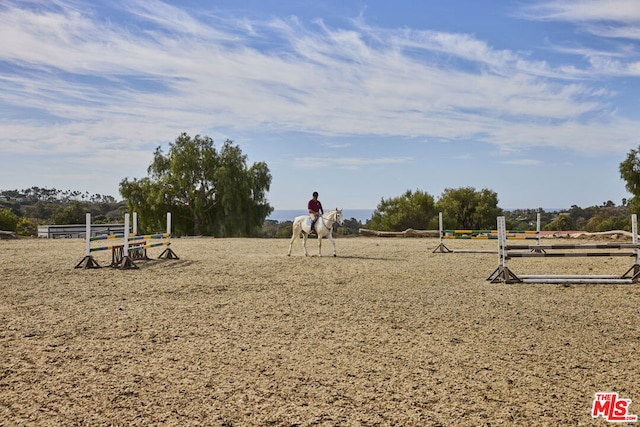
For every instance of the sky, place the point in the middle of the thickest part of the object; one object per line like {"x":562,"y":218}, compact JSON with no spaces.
{"x":358,"y":100}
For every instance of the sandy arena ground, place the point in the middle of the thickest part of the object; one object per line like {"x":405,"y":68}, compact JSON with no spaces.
{"x":236,"y":333}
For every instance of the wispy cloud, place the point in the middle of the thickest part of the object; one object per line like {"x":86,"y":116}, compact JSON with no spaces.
{"x":84,"y":82}
{"x":522,"y":162}
{"x":625,"y":11}
{"x":605,"y":19}
{"x":346,"y":162}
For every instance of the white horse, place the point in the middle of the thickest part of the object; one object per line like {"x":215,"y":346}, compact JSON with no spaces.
{"x":323,"y":228}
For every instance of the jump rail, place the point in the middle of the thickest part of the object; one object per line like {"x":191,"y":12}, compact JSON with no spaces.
{"x":503,"y":274}
{"x":133,"y":248}
{"x":485,"y":235}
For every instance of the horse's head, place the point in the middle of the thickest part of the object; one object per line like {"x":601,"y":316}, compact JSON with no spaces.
{"x":339,"y":218}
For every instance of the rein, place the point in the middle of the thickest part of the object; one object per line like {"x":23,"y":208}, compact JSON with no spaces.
{"x":326,"y":219}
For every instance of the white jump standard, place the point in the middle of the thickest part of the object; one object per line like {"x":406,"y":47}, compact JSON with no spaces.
{"x":123,"y":255}
{"x":503,"y":274}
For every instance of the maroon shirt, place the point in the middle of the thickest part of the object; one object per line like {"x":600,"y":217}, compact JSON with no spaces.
{"x":315,"y":205}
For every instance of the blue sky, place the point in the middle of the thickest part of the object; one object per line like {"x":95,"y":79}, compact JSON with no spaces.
{"x":358,"y":100}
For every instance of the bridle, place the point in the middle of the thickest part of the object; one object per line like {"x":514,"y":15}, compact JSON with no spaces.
{"x":326,"y":219}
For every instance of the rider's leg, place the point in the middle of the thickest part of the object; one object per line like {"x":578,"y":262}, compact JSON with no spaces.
{"x":314,"y":218}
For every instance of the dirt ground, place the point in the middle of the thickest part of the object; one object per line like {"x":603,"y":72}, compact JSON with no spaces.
{"x":236,"y":333}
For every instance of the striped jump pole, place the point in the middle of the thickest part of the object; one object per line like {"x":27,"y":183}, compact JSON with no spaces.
{"x":506,"y":252}
{"x":487,"y":235}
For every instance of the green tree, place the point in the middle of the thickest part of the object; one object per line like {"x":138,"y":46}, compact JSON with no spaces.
{"x":241,"y":196}
{"x":8,"y":220}
{"x":411,"y":210}
{"x":607,"y":220}
{"x":25,"y":227}
{"x":562,"y":223}
{"x":73,"y":213}
{"x":466,"y":208}
{"x":41,"y":211}
{"x":208,"y":192}
{"x":608,"y":223}
{"x":146,"y":199}
{"x":630,"y":173}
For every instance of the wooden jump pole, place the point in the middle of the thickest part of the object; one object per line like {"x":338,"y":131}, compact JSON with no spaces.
{"x":584,"y":280}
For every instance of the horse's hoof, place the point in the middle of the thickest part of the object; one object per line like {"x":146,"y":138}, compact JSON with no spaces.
{"x":334,"y":255}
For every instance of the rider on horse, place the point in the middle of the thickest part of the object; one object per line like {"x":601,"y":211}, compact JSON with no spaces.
{"x":315,"y":209}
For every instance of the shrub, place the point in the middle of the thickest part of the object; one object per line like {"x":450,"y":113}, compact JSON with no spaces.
{"x":8,"y":220}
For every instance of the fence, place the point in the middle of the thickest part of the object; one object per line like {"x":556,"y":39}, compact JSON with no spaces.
{"x":484,"y":235}
{"x":506,"y":252}
{"x":133,"y":247}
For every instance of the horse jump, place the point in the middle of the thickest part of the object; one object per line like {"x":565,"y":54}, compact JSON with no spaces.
{"x":323,"y":228}
{"x":133,"y":248}
{"x":483,"y":235}
{"x":503,"y":274}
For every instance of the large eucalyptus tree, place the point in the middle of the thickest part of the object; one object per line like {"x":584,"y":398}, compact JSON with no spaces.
{"x":209,"y":192}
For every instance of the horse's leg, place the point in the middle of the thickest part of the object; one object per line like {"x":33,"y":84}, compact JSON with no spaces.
{"x":333,"y":242}
{"x":297,"y":229}
{"x":319,"y":244}
{"x":304,"y":243}
{"x":293,"y":238}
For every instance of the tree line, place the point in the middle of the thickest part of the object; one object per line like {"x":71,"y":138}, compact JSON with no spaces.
{"x":21,"y":211}
{"x":215,"y":192}
{"x":209,"y":191}
{"x":467,"y":208}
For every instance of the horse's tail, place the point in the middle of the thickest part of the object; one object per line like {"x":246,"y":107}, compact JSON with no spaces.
{"x":297,"y":227}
